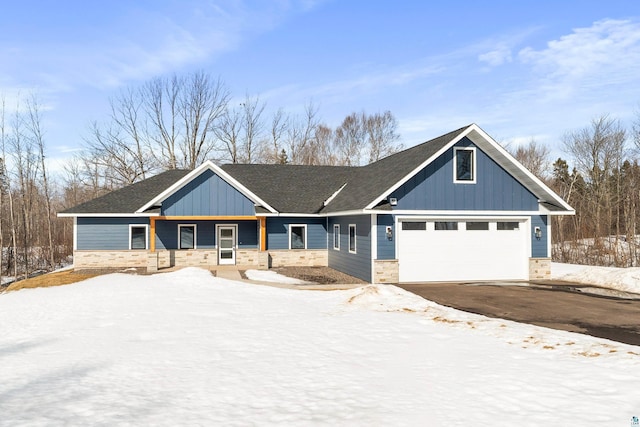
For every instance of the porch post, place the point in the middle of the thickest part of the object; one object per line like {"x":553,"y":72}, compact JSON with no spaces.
{"x":263,"y":233}
{"x":152,"y":235}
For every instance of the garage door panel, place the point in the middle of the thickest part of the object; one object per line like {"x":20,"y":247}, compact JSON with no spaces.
{"x":458,"y":255}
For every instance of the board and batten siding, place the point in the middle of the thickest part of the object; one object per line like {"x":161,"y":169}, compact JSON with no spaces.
{"x":111,"y":233}
{"x":278,"y":232}
{"x":433,"y":188}
{"x":167,"y":233}
{"x":208,"y":195}
{"x":386,"y":246}
{"x":358,"y":264}
{"x":539,"y":247}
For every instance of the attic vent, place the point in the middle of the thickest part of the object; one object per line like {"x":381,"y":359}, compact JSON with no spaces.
{"x":393,"y":201}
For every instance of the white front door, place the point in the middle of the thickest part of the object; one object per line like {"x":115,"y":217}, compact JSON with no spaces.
{"x":227,"y":244}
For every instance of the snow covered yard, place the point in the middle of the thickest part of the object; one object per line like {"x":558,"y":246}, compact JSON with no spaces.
{"x":185,"y":348}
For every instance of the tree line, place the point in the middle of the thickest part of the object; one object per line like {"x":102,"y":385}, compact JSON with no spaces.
{"x":178,"y":122}
{"x":603,"y":186}
{"x":174,"y":122}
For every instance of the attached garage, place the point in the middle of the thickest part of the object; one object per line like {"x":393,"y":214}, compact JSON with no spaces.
{"x":432,"y":250}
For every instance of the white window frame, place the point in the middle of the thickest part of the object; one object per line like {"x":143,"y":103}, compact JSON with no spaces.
{"x":146,"y":236}
{"x":336,"y":229}
{"x":474,"y":171}
{"x":304,"y":226}
{"x":195,"y":236}
{"x":355,"y":239}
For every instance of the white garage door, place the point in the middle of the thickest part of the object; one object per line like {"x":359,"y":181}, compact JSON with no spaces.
{"x":461,"y":250}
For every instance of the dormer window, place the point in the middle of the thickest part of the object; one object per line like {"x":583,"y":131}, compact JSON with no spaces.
{"x":464,"y":165}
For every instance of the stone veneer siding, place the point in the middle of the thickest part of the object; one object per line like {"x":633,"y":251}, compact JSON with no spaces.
{"x":539,"y":268}
{"x":298,"y":258}
{"x":205,"y":258}
{"x":109,"y":259}
{"x":385,"y":271}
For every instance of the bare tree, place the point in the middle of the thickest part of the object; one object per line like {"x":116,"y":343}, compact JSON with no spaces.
{"x":34,"y":125}
{"x":202,"y":101}
{"x":252,"y":127}
{"x":535,"y":157}
{"x":382,"y":136}
{"x":12,"y":250}
{"x":598,"y":152}
{"x":167,"y":123}
{"x":159,"y":98}
{"x":299,"y":133}
{"x":228,"y":132}
{"x":350,"y":139}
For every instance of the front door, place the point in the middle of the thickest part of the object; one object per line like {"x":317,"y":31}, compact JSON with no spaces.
{"x":227,"y":244}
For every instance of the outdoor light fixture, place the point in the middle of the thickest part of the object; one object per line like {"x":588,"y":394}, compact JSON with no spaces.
{"x":389,"y":233}
{"x":537,"y":231}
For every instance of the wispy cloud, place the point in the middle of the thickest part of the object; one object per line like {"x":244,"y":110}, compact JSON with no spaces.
{"x":141,"y":44}
{"x":607,"y":53}
{"x":498,"y":56}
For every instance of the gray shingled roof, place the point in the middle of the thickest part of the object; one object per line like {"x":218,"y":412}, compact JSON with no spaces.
{"x":288,"y":188}
{"x":291,"y":188}
{"x":130,"y":198}
{"x":369,"y":182}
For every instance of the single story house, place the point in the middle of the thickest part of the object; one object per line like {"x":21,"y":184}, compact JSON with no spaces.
{"x":458,"y":207}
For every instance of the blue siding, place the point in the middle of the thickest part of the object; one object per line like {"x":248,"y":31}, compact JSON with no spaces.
{"x":278,"y":232}
{"x":433,"y":188}
{"x":105,"y":233}
{"x":539,"y":247}
{"x":358,"y":264}
{"x":386,"y":247}
{"x":167,"y":233}
{"x":208,"y":194}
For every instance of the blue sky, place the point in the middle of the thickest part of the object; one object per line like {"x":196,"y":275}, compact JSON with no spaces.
{"x":519,"y":69}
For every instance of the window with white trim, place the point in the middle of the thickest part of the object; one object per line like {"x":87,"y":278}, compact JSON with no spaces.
{"x":477,"y":225}
{"x":414,"y":225}
{"x":352,"y":238}
{"x":445,"y":225}
{"x":186,"y":236}
{"x":508,"y":225}
{"x":138,"y":237}
{"x":298,"y":236}
{"x":464,"y":165}
{"x":336,"y":237}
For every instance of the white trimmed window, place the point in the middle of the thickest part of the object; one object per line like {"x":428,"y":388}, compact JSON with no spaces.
{"x":464,"y":165}
{"x":445,"y":225}
{"x":352,"y":238}
{"x":186,"y":236}
{"x":298,"y":236}
{"x":508,"y":225}
{"x":138,"y":237}
{"x":336,"y":237}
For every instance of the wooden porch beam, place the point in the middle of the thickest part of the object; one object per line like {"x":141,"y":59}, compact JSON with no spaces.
{"x":205,"y":218}
{"x":263,"y":233}
{"x":152,"y":235}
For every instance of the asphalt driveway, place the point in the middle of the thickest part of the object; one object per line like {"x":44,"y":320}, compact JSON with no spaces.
{"x":558,"y":306}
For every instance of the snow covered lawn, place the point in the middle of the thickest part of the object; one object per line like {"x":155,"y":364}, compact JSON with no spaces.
{"x":620,"y":279}
{"x":185,"y":348}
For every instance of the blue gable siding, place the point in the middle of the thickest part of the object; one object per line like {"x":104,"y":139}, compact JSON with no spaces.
{"x":433,"y":188}
{"x":105,"y":233}
{"x":278,"y":232}
{"x":386,"y":247}
{"x":167,"y":233}
{"x":358,"y":264}
{"x":539,"y":247}
{"x":209,"y":195}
